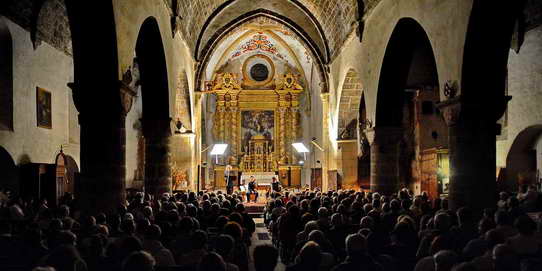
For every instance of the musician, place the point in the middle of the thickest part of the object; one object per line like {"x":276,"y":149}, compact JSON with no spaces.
{"x":229,"y":180}
{"x":275,"y":185}
{"x":252,"y":189}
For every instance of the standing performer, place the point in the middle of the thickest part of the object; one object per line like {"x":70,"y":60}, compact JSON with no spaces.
{"x":229,"y":180}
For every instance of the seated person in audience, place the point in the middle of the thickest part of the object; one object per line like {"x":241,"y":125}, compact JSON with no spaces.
{"x":265,"y":258}
{"x":198,"y":250}
{"x":357,"y":256}
{"x":224,"y":247}
{"x":139,"y":261}
{"x":308,"y":259}
{"x":153,"y":245}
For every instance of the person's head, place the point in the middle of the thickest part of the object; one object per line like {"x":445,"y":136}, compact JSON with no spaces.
{"x":153,"y":232}
{"x":311,"y":226}
{"x":139,"y":261}
{"x":224,"y":245}
{"x":445,"y":260}
{"x":502,"y":218}
{"x":63,"y":258}
{"x":504,"y":258}
{"x":466,"y":266}
{"x":493,"y":238}
{"x":252,"y":178}
{"x":128,"y":226}
{"x":442,"y":222}
{"x":265,"y":258}
{"x":367,"y":222}
{"x":336,"y":220}
{"x":310,"y":254}
{"x":318,"y":237}
{"x":234,"y":230}
{"x":323,"y":213}
{"x":465,"y":216}
{"x":212,"y":262}
{"x":356,"y":244}
{"x":199,"y":239}
{"x":485,"y":225}
{"x":525,"y":225}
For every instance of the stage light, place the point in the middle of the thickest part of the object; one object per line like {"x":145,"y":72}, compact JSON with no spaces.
{"x":219,"y":149}
{"x":300,"y":147}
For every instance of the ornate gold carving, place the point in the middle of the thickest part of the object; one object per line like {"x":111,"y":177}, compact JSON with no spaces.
{"x":232,"y":99}
{"x":288,"y":82}
{"x":227,"y":82}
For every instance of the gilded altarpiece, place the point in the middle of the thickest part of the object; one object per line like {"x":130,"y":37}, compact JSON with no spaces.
{"x":259,"y":125}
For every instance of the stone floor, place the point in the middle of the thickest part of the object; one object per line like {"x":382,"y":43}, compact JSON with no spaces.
{"x":259,"y":239}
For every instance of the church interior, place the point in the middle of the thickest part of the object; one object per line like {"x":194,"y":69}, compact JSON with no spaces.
{"x":125,"y":107}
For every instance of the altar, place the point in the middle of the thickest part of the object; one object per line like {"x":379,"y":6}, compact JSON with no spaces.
{"x":259,"y":124}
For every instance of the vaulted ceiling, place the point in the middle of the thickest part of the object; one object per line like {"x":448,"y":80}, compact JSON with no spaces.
{"x":328,"y":23}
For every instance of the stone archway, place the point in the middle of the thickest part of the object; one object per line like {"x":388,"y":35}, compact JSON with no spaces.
{"x":156,"y":120}
{"x":472,"y":106}
{"x":408,"y":70}
{"x":9,"y":174}
{"x":6,"y":77}
{"x":521,"y":162}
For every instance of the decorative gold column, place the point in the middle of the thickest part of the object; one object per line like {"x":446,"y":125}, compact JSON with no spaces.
{"x":221,"y":115}
{"x":282,"y":135}
{"x":294,"y":113}
{"x":234,"y":130}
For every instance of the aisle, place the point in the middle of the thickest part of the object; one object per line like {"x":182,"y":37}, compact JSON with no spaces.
{"x":260,"y":237}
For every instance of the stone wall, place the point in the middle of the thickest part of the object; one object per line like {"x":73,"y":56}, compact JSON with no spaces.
{"x":525,"y":87}
{"x":50,"y":69}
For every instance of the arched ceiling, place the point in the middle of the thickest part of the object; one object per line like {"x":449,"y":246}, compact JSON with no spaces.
{"x":327,"y":23}
{"x":261,"y":35}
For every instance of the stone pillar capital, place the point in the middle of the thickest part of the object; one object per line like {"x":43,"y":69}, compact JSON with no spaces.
{"x":127,"y":95}
{"x":451,"y":110}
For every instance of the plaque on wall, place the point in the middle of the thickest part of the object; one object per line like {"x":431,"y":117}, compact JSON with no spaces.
{"x":43,"y":108}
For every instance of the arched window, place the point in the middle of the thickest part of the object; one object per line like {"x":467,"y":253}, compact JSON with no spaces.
{"x":6,"y":78}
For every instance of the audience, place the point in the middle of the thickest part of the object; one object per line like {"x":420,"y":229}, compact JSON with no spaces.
{"x":310,"y":230}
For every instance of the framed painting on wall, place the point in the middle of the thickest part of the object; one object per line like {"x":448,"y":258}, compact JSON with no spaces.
{"x":43,"y":108}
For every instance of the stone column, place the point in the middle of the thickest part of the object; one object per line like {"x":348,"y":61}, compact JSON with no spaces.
{"x":472,"y":153}
{"x":325,"y":140}
{"x":157,"y":156}
{"x":385,"y":158}
{"x":100,"y":187}
{"x":349,"y":163}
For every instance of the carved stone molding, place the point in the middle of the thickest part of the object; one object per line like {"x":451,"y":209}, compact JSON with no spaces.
{"x":127,"y":91}
{"x":451,"y":110}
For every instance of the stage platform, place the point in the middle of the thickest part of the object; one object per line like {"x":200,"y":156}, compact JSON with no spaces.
{"x":254,"y":208}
